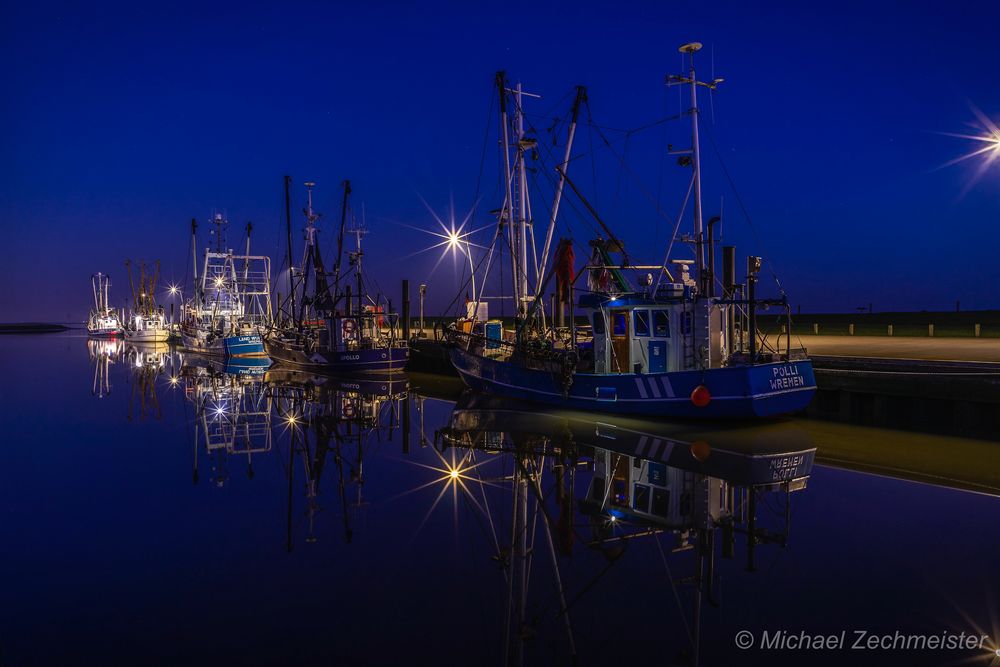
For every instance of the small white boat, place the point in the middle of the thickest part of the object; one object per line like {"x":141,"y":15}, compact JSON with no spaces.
{"x":103,"y":320}
{"x":147,"y":322}
{"x":148,"y":328}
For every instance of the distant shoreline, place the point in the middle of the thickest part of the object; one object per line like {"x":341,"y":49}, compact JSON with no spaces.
{"x":32,"y":328}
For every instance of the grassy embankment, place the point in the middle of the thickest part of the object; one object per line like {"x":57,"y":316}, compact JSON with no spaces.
{"x":913,"y":324}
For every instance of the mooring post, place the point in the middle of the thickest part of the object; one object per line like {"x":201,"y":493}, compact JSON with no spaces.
{"x":406,"y":310}
{"x":729,"y":290}
{"x":422,"y":290}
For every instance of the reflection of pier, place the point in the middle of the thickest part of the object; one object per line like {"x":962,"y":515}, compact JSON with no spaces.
{"x":649,"y":480}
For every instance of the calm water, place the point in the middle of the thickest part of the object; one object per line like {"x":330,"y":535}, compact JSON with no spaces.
{"x":159,"y":511}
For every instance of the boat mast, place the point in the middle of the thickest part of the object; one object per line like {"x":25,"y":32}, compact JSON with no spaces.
{"x":288,"y":231}
{"x":194,"y":250}
{"x":691,"y":49}
{"x":340,"y":235}
{"x":506,"y":212}
{"x":522,"y":196}
{"x":307,"y":251}
{"x":581,"y":96}
{"x":678,"y":79}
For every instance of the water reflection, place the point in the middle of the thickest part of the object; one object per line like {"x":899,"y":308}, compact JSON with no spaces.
{"x":232,"y":415}
{"x":103,"y":353}
{"x":533,"y":537}
{"x":682,"y":487}
{"x":544,"y":488}
{"x":333,"y":420}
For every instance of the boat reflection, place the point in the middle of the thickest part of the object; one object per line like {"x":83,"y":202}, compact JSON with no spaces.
{"x":641,"y":480}
{"x":232,"y":414}
{"x":336,"y":419}
{"x":148,"y":361}
{"x":244,"y":409}
{"x":103,"y":353}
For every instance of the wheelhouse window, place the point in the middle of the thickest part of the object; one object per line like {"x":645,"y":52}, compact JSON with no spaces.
{"x":661,"y":324}
{"x":599,"y":323}
{"x":619,"y":323}
{"x":640,"y":320}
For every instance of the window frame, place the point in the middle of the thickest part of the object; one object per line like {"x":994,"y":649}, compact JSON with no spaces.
{"x":635,"y":323}
{"x":656,"y":327}
{"x":599,"y":317}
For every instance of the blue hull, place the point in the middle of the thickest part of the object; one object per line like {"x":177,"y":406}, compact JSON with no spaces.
{"x":243,"y":346}
{"x":371,"y":360}
{"x":737,"y":392}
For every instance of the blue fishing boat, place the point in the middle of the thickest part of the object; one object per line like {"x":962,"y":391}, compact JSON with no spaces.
{"x":231,"y":305}
{"x":325,"y":327}
{"x":665,"y":343}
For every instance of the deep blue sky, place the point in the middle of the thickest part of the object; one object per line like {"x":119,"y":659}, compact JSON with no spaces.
{"x":120,"y":123}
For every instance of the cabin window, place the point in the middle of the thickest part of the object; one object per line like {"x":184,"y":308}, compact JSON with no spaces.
{"x":641,"y":322}
{"x":661,"y":502}
{"x":599,"y":323}
{"x":640,"y":501}
{"x":619,"y":323}
{"x":661,"y":324}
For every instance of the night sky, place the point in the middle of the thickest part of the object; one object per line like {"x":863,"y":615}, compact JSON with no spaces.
{"x":122,"y":122}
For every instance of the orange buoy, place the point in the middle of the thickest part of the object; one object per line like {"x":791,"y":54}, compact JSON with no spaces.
{"x":700,"y":450}
{"x":701,"y":396}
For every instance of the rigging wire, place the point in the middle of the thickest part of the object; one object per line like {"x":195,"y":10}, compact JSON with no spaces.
{"x":746,"y":213}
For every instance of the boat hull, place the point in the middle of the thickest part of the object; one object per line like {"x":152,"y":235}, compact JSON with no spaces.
{"x":148,"y":336}
{"x":374,"y":360}
{"x":246,"y":345}
{"x":737,"y":392}
{"x":104,"y":333}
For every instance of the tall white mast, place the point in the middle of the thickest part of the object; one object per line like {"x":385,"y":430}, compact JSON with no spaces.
{"x":506,"y":212}
{"x":522,"y":195}
{"x":690,"y":49}
{"x":311,"y":218}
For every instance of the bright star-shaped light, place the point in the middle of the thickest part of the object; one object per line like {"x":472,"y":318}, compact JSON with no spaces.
{"x":172,"y":289}
{"x":988,"y":133}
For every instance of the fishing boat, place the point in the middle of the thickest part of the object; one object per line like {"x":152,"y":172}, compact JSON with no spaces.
{"x":325,"y":327}
{"x":147,"y":322}
{"x":232,"y":299}
{"x":663,"y":344}
{"x":103,"y":320}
